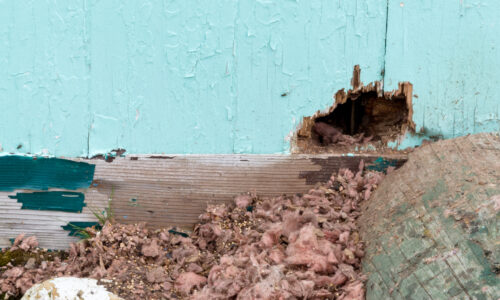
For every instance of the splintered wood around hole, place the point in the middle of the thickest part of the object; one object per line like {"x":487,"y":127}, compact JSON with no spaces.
{"x":372,"y":118}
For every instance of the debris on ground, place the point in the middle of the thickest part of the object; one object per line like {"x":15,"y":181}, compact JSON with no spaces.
{"x":286,"y":247}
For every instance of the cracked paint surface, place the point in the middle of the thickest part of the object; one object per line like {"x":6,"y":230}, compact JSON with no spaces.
{"x":176,"y":76}
{"x":448,"y":50}
{"x":84,"y":77}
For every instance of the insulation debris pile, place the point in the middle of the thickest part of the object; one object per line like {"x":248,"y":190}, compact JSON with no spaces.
{"x":287,"y":247}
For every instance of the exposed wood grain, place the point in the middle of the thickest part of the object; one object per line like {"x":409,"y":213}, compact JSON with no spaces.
{"x":173,"y":191}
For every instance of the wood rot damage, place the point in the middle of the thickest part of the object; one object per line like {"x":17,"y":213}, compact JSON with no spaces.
{"x":365,"y":118}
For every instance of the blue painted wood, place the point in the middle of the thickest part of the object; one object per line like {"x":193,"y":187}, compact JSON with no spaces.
{"x":449,"y":51}
{"x":86,"y":77}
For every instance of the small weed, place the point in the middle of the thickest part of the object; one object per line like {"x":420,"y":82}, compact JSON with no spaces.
{"x":81,"y":232}
{"x":103,"y":217}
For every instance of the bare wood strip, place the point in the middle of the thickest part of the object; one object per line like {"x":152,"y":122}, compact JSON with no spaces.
{"x":174,"y":191}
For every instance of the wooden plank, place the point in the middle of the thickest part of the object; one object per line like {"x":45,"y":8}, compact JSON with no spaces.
{"x":175,"y":190}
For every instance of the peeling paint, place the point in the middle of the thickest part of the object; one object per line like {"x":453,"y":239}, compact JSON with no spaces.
{"x":110,"y":156}
{"x":382,"y":164}
{"x":117,"y":78}
{"x":41,"y":173}
{"x":332,"y":162}
{"x":182,"y":77}
{"x":452,"y":59}
{"x":75,"y":227}
{"x":58,"y":201}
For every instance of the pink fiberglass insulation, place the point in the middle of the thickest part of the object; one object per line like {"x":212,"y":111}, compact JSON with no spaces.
{"x":287,"y":247}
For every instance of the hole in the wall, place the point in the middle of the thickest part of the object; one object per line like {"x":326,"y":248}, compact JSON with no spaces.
{"x":363,"y":119}
{"x":368,"y":118}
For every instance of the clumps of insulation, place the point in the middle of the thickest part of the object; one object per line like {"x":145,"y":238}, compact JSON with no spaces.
{"x":287,"y":247}
{"x":329,"y":134}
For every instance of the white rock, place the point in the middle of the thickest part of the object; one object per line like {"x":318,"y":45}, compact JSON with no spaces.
{"x":69,"y":288}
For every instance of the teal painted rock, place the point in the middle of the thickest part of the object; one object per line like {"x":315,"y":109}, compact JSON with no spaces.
{"x":431,"y":228}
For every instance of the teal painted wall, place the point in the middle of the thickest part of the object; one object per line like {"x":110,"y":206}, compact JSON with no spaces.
{"x":82,"y":77}
{"x":450,"y":51}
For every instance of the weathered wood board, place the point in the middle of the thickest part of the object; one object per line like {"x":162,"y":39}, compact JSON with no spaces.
{"x":432,"y":227}
{"x":161,"y":190}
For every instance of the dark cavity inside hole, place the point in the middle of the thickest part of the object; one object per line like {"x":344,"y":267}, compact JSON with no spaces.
{"x":369,"y":114}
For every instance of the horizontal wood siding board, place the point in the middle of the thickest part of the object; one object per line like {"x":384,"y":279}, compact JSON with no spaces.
{"x":174,"y":191}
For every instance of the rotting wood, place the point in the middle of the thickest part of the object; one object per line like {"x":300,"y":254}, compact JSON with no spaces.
{"x":174,"y":191}
{"x":304,"y":131}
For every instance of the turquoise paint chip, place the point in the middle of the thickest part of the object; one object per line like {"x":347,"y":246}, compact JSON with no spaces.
{"x":42,"y":173}
{"x":57,"y":201}
{"x":381,"y":164}
{"x":75,"y":227}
